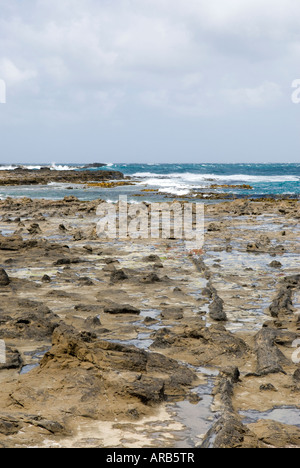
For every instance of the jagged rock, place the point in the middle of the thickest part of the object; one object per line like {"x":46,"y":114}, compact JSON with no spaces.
{"x":32,"y":320}
{"x":216,"y":310}
{"x":93,"y":322}
{"x":150,"y":278}
{"x":4,"y":279}
{"x":46,"y":279}
{"x":269,"y":357}
{"x":118,"y":275}
{"x":229,"y":431}
{"x":34,"y":229}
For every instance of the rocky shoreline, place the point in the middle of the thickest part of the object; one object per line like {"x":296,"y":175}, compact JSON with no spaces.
{"x":45,"y":176}
{"x":142,"y":344}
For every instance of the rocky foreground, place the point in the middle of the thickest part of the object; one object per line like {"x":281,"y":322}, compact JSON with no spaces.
{"x":143,"y":344}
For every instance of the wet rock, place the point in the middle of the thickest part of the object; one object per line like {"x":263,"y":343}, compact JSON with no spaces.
{"x":115,"y":309}
{"x":95,"y":309}
{"x":9,"y":426}
{"x":118,"y":275}
{"x":228,"y":431}
{"x":296,"y":375}
{"x":46,"y":279}
{"x":267,"y":388}
{"x":13,"y":359}
{"x":175,"y":313}
{"x":4,"y":279}
{"x":86,"y":281}
{"x":163,"y":338}
{"x":78,"y":236}
{"x":148,"y":390}
{"x":53,"y":427}
{"x":110,"y":268}
{"x":216,"y":310}
{"x":275,"y":264}
{"x":13,"y":243}
{"x":253,"y":247}
{"x":92,"y":322}
{"x":150,"y":278}
{"x":269,"y":358}
{"x":105,"y":356}
{"x":152,"y":258}
{"x":282,"y":304}
{"x":32,"y":320}
{"x":34,"y":229}
{"x":213,"y":227}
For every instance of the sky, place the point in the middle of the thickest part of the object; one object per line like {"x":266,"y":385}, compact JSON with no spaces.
{"x":168,"y":81}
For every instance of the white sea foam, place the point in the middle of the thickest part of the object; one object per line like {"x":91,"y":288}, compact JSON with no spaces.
{"x":175,"y":191}
{"x":196,"y":178}
{"x":8,"y":168}
{"x":60,"y":167}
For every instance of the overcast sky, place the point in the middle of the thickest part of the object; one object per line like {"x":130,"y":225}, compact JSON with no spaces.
{"x":149,"y":80}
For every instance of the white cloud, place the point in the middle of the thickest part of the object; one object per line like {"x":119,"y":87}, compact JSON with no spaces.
{"x":14,"y":75}
{"x":191,"y":58}
{"x":265,"y":94}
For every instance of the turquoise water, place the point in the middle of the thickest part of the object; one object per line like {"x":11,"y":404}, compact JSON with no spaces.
{"x":174,"y":179}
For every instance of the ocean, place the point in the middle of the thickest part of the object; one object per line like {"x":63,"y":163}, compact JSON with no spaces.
{"x":172,"y":181}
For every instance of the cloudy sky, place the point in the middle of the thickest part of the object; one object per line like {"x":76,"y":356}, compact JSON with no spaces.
{"x":149,"y":80}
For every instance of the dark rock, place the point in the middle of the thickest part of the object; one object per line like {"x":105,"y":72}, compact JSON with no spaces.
{"x":94,"y":165}
{"x":152,"y":258}
{"x":93,"y":322}
{"x":269,"y":358}
{"x":252,"y":247}
{"x":34,"y":229}
{"x":95,"y":309}
{"x":216,"y":310}
{"x":275,"y":264}
{"x":296,"y":375}
{"x":46,"y":279}
{"x":121,"y":309}
{"x":118,"y":275}
{"x":228,"y":431}
{"x":4,"y":279}
{"x":148,"y":390}
{"x":213,"y":227}
{"x":86,"y":281}
{"x":150,"y":278}
{"x":163,"y":339}
{"x":13,"y":359}
{"x":282,"y":304}
{"x":32,"y":320}
{"x":9,"y":427}
{"x":267,"y":388}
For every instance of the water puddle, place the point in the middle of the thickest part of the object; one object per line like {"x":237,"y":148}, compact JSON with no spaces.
{"x":198,"y":417}
{"x":36,"y":357}
{"x":283,"y":414}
